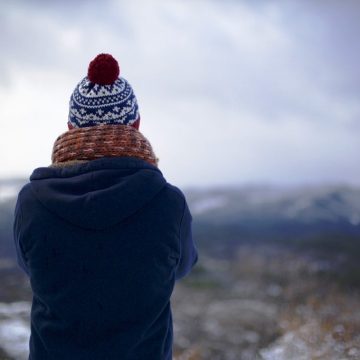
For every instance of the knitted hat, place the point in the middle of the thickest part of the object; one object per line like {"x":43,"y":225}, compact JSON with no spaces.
{"x":103,"y":97}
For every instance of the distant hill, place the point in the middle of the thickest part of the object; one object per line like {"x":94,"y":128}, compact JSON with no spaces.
{"x":326,"y":217}
{"x":306,"y":204}
{"x":8,"y":192}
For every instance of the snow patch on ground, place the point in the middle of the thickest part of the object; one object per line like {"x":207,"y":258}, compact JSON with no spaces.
{"x":310,"y":342}
{"x":204,"y":205}
{"x":14,"y":329}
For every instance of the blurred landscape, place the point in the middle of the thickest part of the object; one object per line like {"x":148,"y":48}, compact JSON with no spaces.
{"x":250,"y":92}
{"x":278,"y":276}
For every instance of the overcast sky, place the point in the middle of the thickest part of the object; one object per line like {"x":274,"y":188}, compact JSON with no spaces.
{"x":230,"y":92}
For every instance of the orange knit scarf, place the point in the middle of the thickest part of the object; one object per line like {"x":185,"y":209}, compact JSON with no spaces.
{"x":90,"y":143}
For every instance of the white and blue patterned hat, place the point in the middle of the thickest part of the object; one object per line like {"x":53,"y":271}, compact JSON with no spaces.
{"x":103,"y":97}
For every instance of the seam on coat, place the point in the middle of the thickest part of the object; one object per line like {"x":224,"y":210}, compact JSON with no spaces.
{"x":180,"y":228}
{"x":20,"y":248}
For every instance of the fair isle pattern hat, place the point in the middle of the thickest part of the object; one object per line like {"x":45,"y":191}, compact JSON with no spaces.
{"x":103,"y":97}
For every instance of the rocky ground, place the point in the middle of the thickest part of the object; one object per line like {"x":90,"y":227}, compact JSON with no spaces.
{"x":266,"y":303}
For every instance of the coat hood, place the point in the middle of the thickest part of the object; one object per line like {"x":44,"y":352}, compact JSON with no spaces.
{"x":97,"y":194}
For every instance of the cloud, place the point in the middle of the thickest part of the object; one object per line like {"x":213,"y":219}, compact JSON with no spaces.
{"x":244,"y":92}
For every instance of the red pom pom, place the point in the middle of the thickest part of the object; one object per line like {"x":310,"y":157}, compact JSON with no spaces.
{"x":103,"y":70}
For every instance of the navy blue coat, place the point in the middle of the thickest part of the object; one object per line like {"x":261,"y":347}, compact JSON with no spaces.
{"x":103,"y":243}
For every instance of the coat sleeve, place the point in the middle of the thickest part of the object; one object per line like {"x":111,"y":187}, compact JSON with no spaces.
{"x":188,"y":251}
{"x":20,"y":254}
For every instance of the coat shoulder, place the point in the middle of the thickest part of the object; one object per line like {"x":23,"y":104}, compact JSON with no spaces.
{"x":25,"y":191}
{"x":175,"y":196}
{"x":175,"y":191}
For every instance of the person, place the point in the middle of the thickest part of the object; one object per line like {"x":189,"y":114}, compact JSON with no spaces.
{"x":101,"y":234}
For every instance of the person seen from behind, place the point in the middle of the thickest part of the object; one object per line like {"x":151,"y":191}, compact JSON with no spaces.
{"x":101,"y":234}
